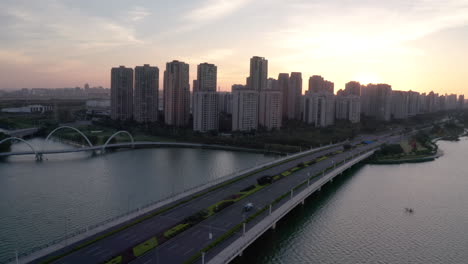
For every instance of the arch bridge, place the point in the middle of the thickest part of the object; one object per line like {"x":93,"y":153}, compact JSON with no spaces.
{"x":38,"y":155}
{"x":116,"y":134}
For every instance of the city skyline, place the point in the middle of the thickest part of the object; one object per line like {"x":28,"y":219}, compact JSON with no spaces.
{"x":415,"y":46}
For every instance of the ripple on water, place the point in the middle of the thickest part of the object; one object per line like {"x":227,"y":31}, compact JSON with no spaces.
{"x":41,"y":201}
{"x":361,"y":218}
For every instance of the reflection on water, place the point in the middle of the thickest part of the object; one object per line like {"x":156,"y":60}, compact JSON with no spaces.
{"x":362,"y":218}
{"x":41,"y":201}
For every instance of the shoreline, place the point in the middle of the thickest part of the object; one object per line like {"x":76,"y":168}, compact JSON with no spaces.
{"x":409,"y":159}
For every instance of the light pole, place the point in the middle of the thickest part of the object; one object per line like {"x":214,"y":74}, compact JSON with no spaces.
{"x":210,"y":234}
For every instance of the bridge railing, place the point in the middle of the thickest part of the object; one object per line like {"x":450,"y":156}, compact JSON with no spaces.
{"x":269,"y":221}
{"x":95,"y":228}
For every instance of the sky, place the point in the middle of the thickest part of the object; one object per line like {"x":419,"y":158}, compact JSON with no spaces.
{"x":418,"y":45}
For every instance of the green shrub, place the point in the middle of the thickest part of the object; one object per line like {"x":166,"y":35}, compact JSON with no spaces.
{"x":251,"y":187}
{"x":176,"y":230}
{"x":145,"y":246}
{"x":223,"y":205}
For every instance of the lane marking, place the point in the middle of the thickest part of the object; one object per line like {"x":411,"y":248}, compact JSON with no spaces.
{"x":188,"y":251}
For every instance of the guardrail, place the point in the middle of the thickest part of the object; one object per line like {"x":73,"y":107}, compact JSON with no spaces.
{"x":94,"y":229}
{"x":238,"y":246}
{"x":233,"y":231}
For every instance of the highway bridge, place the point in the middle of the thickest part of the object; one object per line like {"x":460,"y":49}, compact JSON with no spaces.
{"x":208,"y":224}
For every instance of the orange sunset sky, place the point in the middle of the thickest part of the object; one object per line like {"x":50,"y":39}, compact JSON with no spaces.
{"x":413,"y":45}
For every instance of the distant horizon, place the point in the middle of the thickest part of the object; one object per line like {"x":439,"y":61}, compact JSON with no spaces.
{"x":418,"y":45}
{"x":304,"y":88}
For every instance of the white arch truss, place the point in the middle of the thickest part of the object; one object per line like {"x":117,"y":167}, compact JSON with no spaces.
{"x":22,"y":140}
{"x":114,"y":135}
{"x":68,"y":127}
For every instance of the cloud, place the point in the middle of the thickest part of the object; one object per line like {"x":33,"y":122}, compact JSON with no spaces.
{"x":14,"y":57}
{"x":324,"y":30}
{"x":214,"y":9}
{"x":58,"y":27}
{"x":215,"y":55}
{"x":138,"y":13}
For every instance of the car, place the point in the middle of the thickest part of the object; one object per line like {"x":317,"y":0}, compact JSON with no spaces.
{"x":248,"y":207}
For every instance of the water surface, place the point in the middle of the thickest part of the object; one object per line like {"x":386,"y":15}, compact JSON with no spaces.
{"x":43,"y":201}
{"x":361,"y":218}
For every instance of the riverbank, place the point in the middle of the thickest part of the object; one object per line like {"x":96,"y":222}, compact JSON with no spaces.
{"x":419,"y":148}
{"x":361,"y":217}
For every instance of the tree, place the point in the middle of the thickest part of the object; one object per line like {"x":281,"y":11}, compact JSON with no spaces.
{"x":5,"y":146}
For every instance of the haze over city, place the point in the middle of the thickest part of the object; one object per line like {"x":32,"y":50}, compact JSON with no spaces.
{"x":412,"y":45}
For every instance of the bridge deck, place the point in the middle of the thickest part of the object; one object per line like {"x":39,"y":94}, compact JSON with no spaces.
{"x":180,"y":248}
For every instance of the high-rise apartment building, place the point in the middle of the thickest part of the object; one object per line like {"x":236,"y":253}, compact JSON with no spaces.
{"x":176,"y":94}
{"x":294,"y":96}
{"x":319,"y":109}
{"x":258,"y":74}
{"x":376,"y":101}
{"x":461,"y":101}
{"x":121,"y":93}
{"x":348,"y":107}
{"x":413,"y":103}
{"x":270,"y":109}
{"x":353,"y":88}
{"x":318,"y":85}
{"x":205,"y":99}
{"x":400,"y":105}
{"x":225,"y":102}
{"x":145,"y":107}
{"x":431,"y":102}
{"x":451,"y":102}
{"x":283,"y":86}
{"x":244,"y":108}
{"x":272,"y":84}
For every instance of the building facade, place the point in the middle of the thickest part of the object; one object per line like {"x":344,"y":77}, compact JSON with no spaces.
{"x":270,"y":112}
{"x":258,"y":74}
{"x":319,"y":85}
{"x":121,"y":93}
{"x":283,"y":86}
{"x":376,"y":101}
{"x":353,"y":88}
{"x":205,"y":99}
{"x":244,"y":108}
{"x":145,"y":107}
{"x":348,"y":107}
{"x":294,"y":96}
{"x":176,"y":94}
{"x":400,"y":105}
{"x":225,"y":102}
{"x":319,"y":109}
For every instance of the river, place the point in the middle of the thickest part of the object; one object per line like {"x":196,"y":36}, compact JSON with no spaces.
{"x":361,"y":218}
{"x":43,"y":201}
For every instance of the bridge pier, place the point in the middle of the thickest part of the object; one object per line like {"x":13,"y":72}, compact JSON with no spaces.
{"x":39,"y":157}
{"x":273,"y":227}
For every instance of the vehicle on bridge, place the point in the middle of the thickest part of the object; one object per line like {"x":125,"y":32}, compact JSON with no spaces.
{"x":248,"y":207}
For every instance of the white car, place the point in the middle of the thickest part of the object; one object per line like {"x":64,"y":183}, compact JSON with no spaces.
{"x":248,"y":207}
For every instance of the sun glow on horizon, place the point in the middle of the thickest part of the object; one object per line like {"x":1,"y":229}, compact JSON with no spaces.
{"x":366,"y":78}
